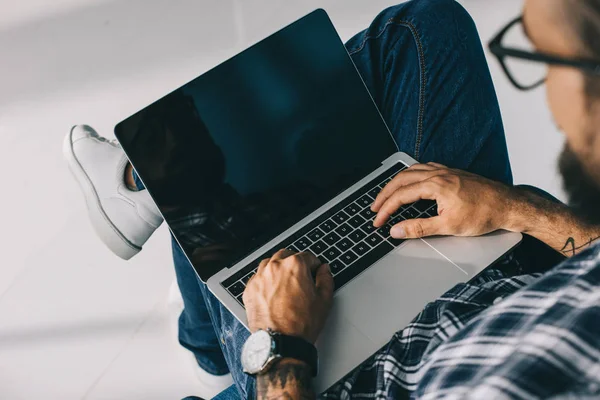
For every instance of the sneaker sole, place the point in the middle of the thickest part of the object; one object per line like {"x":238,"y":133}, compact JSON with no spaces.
{"x":112,"y":237}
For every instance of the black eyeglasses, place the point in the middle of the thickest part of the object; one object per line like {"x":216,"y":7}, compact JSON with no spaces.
{"x":517,"y":77}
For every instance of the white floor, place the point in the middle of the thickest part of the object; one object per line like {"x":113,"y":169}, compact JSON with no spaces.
{"x":76,"y":322}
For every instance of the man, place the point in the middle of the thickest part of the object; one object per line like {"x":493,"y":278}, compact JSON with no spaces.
{"x":542,"y":341}
{"x":424,"y":66}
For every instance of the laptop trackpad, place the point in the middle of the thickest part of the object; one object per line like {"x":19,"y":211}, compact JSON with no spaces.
{"x":378,"y":303}
{"x":392,"y":292}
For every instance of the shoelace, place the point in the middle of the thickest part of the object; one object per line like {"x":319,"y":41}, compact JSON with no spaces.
{"x":112,"y":142}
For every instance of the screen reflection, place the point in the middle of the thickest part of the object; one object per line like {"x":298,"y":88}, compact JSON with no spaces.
{"x":238,"y":155}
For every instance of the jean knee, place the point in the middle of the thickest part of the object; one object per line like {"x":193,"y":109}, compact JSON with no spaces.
{"x":436,"y":25}
{"x":440,"y":21}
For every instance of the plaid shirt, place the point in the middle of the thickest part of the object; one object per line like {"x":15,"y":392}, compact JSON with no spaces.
{"x":530,"y":336}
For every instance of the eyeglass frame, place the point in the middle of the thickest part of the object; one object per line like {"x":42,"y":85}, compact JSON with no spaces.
{"x":501,"y":53}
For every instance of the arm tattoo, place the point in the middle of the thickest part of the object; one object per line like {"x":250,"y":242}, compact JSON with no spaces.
{"x":570,"y":248}
{"x":285,"y":380}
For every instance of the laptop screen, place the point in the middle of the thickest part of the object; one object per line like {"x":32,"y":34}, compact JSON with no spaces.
{"x":243,"y":152}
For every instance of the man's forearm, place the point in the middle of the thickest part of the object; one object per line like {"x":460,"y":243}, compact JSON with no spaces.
{"x":288,"y":379}
{"x":550,"y":222}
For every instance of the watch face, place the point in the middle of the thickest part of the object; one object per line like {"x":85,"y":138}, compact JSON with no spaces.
{"x":256,"y":352}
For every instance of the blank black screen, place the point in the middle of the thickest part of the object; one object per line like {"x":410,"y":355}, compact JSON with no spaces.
{"x":241,"y":153}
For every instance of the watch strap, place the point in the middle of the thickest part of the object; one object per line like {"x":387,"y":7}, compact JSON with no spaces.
{"x":298,"y":349}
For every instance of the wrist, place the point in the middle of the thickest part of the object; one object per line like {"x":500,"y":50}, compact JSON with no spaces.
{"x":550,"y":222}
{"x":532,"y":214}
{"x":294,"y":328}
{"x":518,"y":212}
{"x":264,"y":350}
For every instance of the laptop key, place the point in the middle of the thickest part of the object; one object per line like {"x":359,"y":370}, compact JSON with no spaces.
{"x":244,"y":271}
{"x":356,"y":221}
{"x":352,"y":209}
{"x":361,"y":248}
{"x":248,"y":277}
{"x":365,"y":201}
{"x":396,"y":242}
{"x":236,"y":289}
{"x":292,"y":248}
{"x":240,"y":299}
{"x":336,"y":267}
{"x":374,"y":239}
{"x":318,"y":247}
{"x":368,"y":227}
{"x":433,"y":211}
{"x":348,"y":257}
{"x":302,"y":243}
{"x":410,"y":213}
{"x":340,"y":217}
{"x":343,"y":229}
{"x":384,"y":231}
{"x":315,"y":234}
{"x":396,"y":219}
{"x":349,"y":273}
{"x":400,"y":210}
{"x":358,"y":235}
{"x":423,"y":205}
{"x":331,"y":238}
{"x":367,"y":213}
{"x":374,"y":192}
{"x":345,"y":244}
{"x":332,"y":253}
{"x":323,"y":259}
{"x":327,"y":226}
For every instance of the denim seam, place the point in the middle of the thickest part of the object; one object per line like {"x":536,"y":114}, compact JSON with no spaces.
{"x":423,"y":80}
{"x":367,"y":37}
{"x":210,"y":310}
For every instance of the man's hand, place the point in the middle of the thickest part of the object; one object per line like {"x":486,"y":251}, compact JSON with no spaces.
{"x":468,"y":204}
{"x":284,"y":296}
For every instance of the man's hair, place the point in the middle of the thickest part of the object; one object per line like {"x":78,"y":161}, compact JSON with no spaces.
{"x":584,"y":20}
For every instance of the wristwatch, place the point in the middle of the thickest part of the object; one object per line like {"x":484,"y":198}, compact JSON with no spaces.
{"x":264,"y":347}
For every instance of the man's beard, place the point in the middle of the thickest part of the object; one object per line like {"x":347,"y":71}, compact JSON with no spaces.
{"x":582,"y":191}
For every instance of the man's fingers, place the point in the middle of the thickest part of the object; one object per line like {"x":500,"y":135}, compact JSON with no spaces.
{"x":324,"y":282}
{"x":310,"y":260}
{"x":262,"y":265}
{"x":423,"y":167}
{"x":404,"y":178}
{"x":281,"y":254}
{"x":418,"y":228}
{"x":408,"y":194}
{"x":305,"y":258}
{"x":437,"y":165}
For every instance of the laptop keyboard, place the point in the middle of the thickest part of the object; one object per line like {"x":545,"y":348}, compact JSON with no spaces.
{"x":344,"y":236}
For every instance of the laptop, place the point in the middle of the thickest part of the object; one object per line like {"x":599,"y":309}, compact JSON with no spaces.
{"x":282,"y":146}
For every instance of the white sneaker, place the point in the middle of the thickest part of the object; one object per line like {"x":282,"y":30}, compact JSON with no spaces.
{"x":211,"y":384}
{"x":122,"y":218}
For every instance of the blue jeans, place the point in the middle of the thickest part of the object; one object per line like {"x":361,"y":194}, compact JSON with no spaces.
{"x":424,"y":65}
